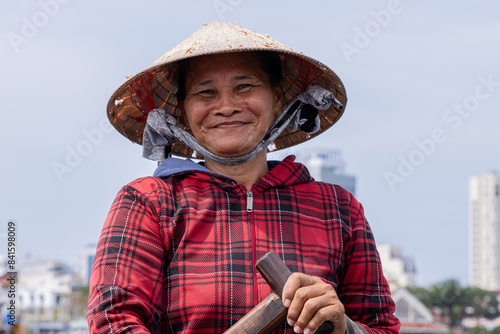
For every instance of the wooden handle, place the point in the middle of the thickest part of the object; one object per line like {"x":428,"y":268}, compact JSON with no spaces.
{"x":270,"y":313}
{"x":264,"y":318}
{"x":276,"y":273}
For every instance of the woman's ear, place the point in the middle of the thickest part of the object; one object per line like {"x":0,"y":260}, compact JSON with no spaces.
{"x":182,"y":114}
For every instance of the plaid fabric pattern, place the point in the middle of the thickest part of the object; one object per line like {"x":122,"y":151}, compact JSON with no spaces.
{"x":177,"y":255}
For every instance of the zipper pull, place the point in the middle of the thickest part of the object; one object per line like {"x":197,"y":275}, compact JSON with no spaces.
{"x":249,"y":201}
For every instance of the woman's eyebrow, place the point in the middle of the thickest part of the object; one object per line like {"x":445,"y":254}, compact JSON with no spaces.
{"x":245,"y":77}
{"x":202,"y":83}
{"x":207,"y":82}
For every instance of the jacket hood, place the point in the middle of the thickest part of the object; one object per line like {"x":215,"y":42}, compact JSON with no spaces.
{"x":281,"y":174}
{"x":172,"y":166}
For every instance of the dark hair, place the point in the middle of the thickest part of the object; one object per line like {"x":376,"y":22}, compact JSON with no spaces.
{"x":269,"y":61}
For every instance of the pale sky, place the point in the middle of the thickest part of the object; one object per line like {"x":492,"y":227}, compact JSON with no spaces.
{"x":422,"y":78}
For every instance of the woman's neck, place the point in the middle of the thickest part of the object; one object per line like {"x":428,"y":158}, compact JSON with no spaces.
{"x":247,"y":173}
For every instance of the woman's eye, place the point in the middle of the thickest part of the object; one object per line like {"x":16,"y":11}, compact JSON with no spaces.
{"x":207,"y":92}
{"x":243,"y":86}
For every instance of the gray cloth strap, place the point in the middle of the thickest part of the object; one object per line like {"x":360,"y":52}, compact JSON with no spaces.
{"x":353,"y":327}
{"x":319,"y":98}
{"x":157,"y":135}
{"x":163,"y":130}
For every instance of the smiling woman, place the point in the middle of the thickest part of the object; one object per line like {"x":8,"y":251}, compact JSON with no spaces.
{"x":178,"y":250}
{"x":230,"y":105}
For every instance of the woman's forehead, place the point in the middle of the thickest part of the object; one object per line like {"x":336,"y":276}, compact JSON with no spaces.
{"x":241,"y":61}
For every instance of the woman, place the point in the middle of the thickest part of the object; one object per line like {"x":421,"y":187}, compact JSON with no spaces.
{"x":178,"y":250}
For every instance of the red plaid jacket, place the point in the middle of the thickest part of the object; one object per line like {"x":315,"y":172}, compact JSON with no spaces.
{"x":177,"y":254}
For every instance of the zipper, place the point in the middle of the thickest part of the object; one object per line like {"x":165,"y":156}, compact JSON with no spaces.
{"x":249,"y":201}
{"x":254,"y":245}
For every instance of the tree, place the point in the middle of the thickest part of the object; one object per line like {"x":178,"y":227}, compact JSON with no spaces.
{"x":78,"y":303}
{"x":456,"y":302}
{"x":477,"y":330}
{"x":481,"y":303}
{"x":496,"y":330}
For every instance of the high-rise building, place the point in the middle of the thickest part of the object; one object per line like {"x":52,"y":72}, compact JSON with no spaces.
{"x":327,"y":165}
{"x":84,"y":263}
{"x":484,"y":231}
{"x":399,"y":270}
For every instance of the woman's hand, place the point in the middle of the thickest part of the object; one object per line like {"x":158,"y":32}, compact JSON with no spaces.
{"x":310,"y":302}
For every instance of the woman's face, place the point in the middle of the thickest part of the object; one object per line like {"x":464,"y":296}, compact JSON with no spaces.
{"x":229,"y":102}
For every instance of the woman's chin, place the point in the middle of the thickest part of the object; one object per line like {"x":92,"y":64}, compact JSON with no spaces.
{"x":230,"y":151}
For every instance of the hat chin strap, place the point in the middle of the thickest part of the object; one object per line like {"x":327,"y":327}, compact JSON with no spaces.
{"x":163,"y":130}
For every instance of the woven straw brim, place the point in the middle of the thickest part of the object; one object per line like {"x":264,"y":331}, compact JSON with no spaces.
{"x":154,"y":87}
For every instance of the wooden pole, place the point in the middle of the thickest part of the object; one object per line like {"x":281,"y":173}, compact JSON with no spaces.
{"x":270,"y":313}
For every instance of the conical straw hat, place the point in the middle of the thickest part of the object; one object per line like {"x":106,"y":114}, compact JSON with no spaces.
{"x":154,"y":87}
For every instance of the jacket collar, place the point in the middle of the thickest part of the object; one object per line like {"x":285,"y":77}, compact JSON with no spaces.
{"x":281,"y":174}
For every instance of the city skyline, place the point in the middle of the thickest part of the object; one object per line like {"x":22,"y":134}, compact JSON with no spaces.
{"x":480,"y":191}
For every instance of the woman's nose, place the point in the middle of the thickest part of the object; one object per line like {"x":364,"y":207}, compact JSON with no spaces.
{"x":227,"y":105}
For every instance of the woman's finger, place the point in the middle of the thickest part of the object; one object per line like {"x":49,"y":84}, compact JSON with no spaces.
{"x":294,"y":282}
{"x":311,"y":302}
{"x":333,"y":313}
